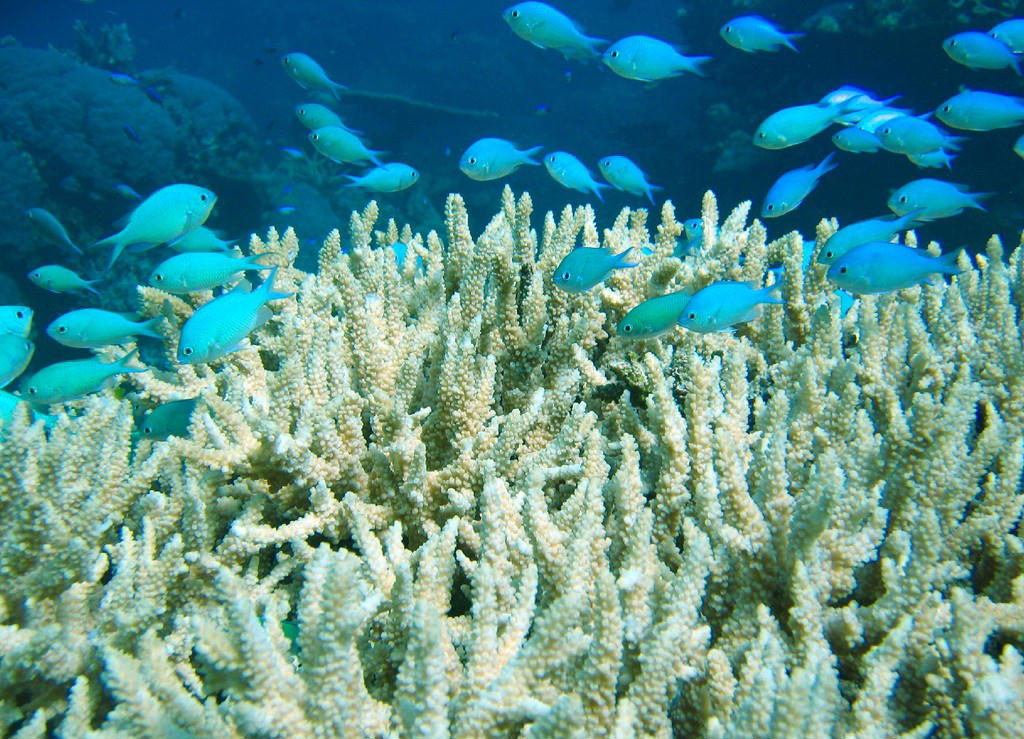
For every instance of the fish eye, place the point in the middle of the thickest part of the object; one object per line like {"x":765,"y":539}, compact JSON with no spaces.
{"x":316,"y":137}
{"x":187,"y":351}
{"x":566,"y":275}
{"x":761,"y":134}
{"x":828,"y":254}
{"x":607,"y":162}
{"x":887,"y":130}
{"x":62,"y":329}
{"x":472,"y":160}
{"x":147,"y":430}
{"x":614,"y":54}
{"x":728,"y":29}
{"x":35,"y":275}
{"x":903,"y":198}
{"x":32,"y":390}
{"x":952,"y":42}
{"x":769,"y":207}
{"x":158,"y":277}
{"x":20,"y":314}
{"x":551,"y":158}
{"x":692,"y":316}
{"x":203,"y":197}
{"x":842,"y":270}
{"x":627,"y":328}
{"x":945,"y":108}
{"x":515,"y":13}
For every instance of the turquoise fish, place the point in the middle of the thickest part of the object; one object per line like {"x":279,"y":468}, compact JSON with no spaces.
{"x":196,"y":271}
{"x":752,"y":33}
{"x":15,"y":354}
{"x":47,"y":225}
{"x":91,"y":327}
{"x":649,"y":59}
{"x":586,"y":266}
{"x":16,"y":319}
{"x":491,"y":158}
{"x":63,"y":381}
{"x":164,"y":216}
{"x":977,"y":50}
{"x":861,"y":232}
{"x":934,"y":199}
{"x":220,"y":326}
{"x":390,"y":177}
{"x":568,"y":171}
{"x":793,"y":186}
{"x":315,"y":115}
{"x":721,"y":305}
{"x":58,"y":279}
{"x":798,"y":123}
{"x":1011,"y":33}
{"x":654,"y":316}
{"x":342,"y":146}
{"x":201,"y":239}
{"x":168,"y":419}
{"x":976,"y":110}
{"x":308,"y":74}
{"x":881,"y":267}
{"x":624,"y":175}
{"x":548,"y":28}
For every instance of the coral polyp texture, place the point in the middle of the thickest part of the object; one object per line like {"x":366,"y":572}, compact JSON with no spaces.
{"x":440,"y":497}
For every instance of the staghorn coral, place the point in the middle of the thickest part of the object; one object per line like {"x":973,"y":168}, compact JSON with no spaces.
{"x":445,"y":500}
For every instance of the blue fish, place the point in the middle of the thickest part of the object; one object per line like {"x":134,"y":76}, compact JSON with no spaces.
{"x":792,"y":187}
{"x":977,"y":50}
{"x":586,"y":266}
{"x":721,"y":305}
{"x":934,"y":199}
{"x":752,"y":33}
{"x":881,"y":267}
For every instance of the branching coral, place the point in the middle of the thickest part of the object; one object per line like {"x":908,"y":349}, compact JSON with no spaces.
{"x":439,"y":497}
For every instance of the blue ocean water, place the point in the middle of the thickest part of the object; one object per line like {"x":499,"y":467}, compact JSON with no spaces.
{"x":214,"y":106}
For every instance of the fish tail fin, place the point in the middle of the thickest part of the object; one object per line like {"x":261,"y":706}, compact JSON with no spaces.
{"x":650,"y":192}
{"x":353,"y":180}
{"x":336,"y":89}
{"x":789,"y":38}
{"x":598,"y":186}
{"x":976,"y":198}
{"x":74,"y":247}
{"x":89,"y":286}
{"x":266,"y":289}
{"x":375,"y":155}
{"x":629,"y":257}
{"x":528,"y":155}
{"x":122,"y":363}
{"x":949,"y":262}
{"x":148,"y":328}
{"x":827,"y":164}
{"x":251,"y":263}
{"x":773,"y":293}
{"x":695,"y":64}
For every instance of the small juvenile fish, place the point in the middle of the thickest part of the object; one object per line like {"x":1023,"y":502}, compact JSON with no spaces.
{"x":58,"y":279}
{"x":63,"y":381}
{"x":201,"y":239}
{"x":912,"y":135}
{"x":308,"y":74}
{"x":220,"y":326}
{"x":1011,"y":33}
{"x":342,"y":146}
{"x":315,"y":115}
{"x":166,"y":215}
{"x":292,"y":152}
{"x":586,"y":266}
{"x":568,"y":171}
{"x":16,"y":319}
{"x":977,"y":50}
{"x":934,"y":199}
{"x":721,"y":305}
{"x":856,"y":98}
{"x":490,"y":159}
{"x":390,"y":177}
{"x":401,"y":251}
{"x":856,"y":140}
{"x":119,"y":78}
{"x":793,"y":186}
{"x":649,"y":59}
{"x":752,"y":33}
{"x":881,"y":267}
{"x":975,"y":110}
{"x":624,"y":175}
{"x":195,"y":271}
{"x":548,"y":28}
{"x":796,"y":124}
{"x":168,"y":419}
{"x":861,"y":232}
{"x":15,"y":354}
{"x":47,"y":226}
{"x":92,"y":327}
{"x":654,"y":316}
{"x":873,"y":119}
